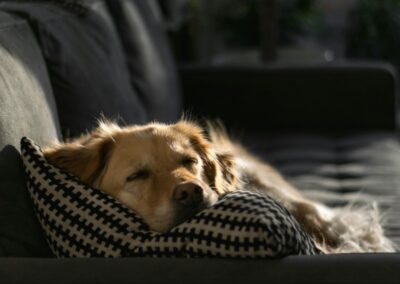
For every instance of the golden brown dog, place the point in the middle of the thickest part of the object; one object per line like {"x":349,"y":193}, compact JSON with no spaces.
{"x":167,"y":173}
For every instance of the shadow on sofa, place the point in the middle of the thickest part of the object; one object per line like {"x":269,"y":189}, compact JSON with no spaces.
{"x":330,"y":129}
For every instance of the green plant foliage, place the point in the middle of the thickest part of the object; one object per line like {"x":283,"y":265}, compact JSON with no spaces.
{"x":235,"y":23}
{"x":237,"y":20}
{"x":374,"y":30}
{"x":299,"y":17}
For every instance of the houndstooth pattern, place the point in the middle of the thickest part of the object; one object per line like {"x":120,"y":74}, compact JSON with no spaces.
{"x":80,"y":221}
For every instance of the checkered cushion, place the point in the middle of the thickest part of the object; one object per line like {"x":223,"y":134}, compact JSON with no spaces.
{"x":80,"y":221}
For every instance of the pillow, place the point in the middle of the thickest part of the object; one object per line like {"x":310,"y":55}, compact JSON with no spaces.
{"x":86,"y":63}
{"x":150,"y":62}
{"x":80,"y":221}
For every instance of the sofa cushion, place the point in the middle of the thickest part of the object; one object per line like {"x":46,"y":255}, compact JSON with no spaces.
{"x":86,"y":63}
{"x":357,"y":168}
{"x":26,"y":108}
{"x":80,"y":221}
{"x":151,"y":66}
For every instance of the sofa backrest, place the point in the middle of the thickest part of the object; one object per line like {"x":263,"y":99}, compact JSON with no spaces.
{"x":27,"y":108}
{"x":86,"y":64}
{"x":152,"y":68}
{"x":59,"y":72}
{"x":26,"y":96}
{"x":112,"y":61}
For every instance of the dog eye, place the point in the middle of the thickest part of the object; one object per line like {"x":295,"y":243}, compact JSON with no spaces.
{"x":141,"y":174}
{"x":189,"y":161}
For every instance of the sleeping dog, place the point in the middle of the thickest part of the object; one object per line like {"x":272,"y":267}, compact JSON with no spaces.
{"x":168,"y":173}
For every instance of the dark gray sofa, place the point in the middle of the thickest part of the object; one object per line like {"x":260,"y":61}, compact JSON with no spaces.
{"x":330,"y":129}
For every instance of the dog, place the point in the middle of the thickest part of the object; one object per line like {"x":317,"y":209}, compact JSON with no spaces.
{"x":169,"y":172}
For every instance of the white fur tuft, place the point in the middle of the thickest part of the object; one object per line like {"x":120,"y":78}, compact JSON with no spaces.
{"x":360,"y":230}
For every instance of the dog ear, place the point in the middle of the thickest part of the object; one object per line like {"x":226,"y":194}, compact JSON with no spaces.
{"x":211,"y":167}
{"x":228,"y":169}
{"x":85,"y":157}
{"x":219,"y":169}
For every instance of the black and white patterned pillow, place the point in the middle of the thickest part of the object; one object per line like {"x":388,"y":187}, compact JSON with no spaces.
{"x":80,"y":221}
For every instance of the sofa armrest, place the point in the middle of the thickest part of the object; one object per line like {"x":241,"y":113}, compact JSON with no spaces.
{"x":347,"y":268}
{"x":340,"y":96}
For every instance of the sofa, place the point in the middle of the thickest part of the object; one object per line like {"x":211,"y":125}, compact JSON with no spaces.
{"x":330,"y":129}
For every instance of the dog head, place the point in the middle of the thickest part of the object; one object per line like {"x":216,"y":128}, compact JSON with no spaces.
{"x":166,"y":173}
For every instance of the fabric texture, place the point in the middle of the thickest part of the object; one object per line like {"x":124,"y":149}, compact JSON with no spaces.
{"x":26,"y":102}
{"x":76,"y":6}
{"x":84,"y":222}
{"x":151,"y":67}
{"x":86,"y":64}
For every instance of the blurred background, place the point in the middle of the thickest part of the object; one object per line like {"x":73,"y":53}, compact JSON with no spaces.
{"x":229,"y":32}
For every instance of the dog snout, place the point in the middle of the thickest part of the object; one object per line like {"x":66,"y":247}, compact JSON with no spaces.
{"x":189,"y":194}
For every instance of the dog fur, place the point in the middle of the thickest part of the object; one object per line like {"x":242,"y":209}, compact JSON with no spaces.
{"x":167,"y":173}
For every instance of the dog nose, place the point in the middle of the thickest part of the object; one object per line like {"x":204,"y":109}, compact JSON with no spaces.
{"x":189,"y":194}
